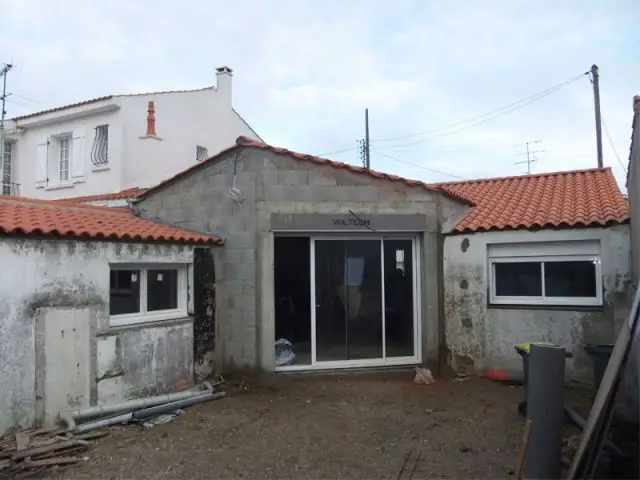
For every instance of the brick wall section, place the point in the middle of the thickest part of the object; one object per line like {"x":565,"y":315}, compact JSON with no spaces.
{"x":244,"y":266}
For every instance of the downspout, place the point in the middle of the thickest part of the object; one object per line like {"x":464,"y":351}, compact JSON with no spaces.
{"x":442,"y":337}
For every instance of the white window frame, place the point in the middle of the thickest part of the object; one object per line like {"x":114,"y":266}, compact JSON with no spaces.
{"x":585,"y":251}
{"x":143,"y":316}
{"x":7,"y":163}
{"x":69,"y":140}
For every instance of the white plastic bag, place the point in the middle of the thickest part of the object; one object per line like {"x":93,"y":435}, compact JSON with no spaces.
{"x":284,"y":352}
{"x":423,"y":376}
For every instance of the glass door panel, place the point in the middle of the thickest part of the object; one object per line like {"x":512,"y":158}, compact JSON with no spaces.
{"x":398,"y":298}
{"x":348,"y":300}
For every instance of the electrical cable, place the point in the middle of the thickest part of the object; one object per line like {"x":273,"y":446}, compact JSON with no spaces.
{"x":440,"y":172}
{"x":492,"y":114}
{"x":613,"y":147}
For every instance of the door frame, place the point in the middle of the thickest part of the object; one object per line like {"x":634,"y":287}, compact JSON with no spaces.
{"x":417,"y":306}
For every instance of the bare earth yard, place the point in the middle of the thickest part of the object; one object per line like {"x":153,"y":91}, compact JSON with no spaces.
{"x":355,"y":426}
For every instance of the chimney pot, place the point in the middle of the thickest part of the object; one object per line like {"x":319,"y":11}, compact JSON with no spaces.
{"x":151,"y":119}
{"x":636,"y":104}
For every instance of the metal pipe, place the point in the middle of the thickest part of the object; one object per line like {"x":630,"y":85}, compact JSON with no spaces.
{"x":70,"y":417}
{"x":545,"y":409}
{"x":580,"y":423}
{"x":105,"y":422}
{"x":168,"y":407}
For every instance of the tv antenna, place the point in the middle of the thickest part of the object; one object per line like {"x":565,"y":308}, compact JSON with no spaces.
{"x":531,"y":155}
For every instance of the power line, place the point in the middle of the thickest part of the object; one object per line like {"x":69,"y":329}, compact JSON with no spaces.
{"x":338,"y":151}
{"x":491,"y":114}
{"x":440,"y":172}
{"x":613,"y":147}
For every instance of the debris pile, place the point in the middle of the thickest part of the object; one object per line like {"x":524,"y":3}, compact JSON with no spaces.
{"x":147,"y":411}
{"x":29,"y":452}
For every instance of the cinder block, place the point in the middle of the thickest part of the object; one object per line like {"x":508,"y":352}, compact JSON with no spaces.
{"x":293,"y":177}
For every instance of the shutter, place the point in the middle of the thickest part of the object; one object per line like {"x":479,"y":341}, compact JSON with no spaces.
{"x":79,"y":156}
{"x":42,"y":158}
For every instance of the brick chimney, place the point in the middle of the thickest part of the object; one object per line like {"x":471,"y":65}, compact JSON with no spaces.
{"x":636,"y":104}
{"x":224,"y":76}
{"x":151,"y":120}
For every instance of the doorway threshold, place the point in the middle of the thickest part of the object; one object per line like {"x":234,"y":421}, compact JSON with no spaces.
{"x":332,"y":369}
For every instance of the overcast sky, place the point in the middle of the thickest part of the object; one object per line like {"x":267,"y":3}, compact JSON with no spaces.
{"x":304,"y":71}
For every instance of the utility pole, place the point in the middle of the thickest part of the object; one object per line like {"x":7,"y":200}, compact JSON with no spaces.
{"x":3,"y":73}
{"x":595,"y":80}
{"x":367,"y":151}
{"x":531,"y":156}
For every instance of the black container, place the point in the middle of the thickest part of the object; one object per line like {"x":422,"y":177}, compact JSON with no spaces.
{"x":600,"y":354}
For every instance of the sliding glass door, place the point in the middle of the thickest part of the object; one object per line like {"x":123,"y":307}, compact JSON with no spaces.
{"x":363,"y":309}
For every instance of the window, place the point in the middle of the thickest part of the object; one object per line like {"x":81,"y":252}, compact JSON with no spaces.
{"x":201,"y":153}
{"x":555,"y":273}
{"x":7,"y":187}
{"x":100,"y":147}
{"x":65,"y":153}
{"x":148,"y":294}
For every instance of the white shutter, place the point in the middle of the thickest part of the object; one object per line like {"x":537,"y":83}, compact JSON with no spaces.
{"x":42,"y":157}
{"x":79,"y":156}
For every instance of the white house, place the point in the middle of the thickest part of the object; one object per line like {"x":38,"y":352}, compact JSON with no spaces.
{"x":113,"y":143}
{"x":97,"y":306}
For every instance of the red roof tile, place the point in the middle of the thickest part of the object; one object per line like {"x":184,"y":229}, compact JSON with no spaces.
{"x":247,"y":142}
{"x":123,"y":194}
{"x":26,"y":216}
{"x":64,"y":107}
{"x":579,"y":198}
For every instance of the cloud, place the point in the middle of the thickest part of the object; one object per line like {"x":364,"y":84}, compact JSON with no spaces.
{"x":305,"y":71}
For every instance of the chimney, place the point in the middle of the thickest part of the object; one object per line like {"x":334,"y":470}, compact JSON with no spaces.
{"x":151,"y":120}
{"x":636,"y":104}
{"x":223,"y":84}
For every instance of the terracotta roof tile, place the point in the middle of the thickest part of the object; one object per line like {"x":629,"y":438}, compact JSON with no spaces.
{"x":247,"y":142}
{"x":548,"y":200}
{"x":132,"y":192}
{"x":26,"y":216}
{"x":64,"y":107}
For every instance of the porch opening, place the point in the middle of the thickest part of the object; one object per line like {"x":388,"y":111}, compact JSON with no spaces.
{"x":346,"y":301}
{"x":292,"y":286}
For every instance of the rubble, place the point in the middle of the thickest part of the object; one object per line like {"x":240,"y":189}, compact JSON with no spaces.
{"x":25,"y":453}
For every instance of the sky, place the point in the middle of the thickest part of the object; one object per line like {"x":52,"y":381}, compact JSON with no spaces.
{"x":435,"y":75}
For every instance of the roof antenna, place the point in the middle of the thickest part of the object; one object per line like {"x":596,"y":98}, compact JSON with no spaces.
{"x":531,"y":155}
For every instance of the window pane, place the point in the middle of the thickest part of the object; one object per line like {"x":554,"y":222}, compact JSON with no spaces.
{"x":521,"y":279}
{"x":162,"y":290}
{"x":124,"y":295}
{"x":570,"y":279}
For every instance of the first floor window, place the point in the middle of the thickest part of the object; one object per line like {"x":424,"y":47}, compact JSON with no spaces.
{"x":141,"y":294}
{"x":559,"y":274}
{"x":65,"y":153}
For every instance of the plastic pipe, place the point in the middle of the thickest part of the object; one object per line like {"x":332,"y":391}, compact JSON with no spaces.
{"x":545,"y":409}
{"x":168,"y":407}
{"x":105,"y":422}
{"x":70,"y":417}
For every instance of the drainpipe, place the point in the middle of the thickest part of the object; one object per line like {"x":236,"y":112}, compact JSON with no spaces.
{"x":70,"y":417}
{"x":442,"y":338}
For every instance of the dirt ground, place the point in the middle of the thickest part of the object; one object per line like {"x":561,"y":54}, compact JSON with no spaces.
{"x":358,"y":426}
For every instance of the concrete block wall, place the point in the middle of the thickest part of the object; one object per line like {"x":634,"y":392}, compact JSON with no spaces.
{"x":275,"y":183}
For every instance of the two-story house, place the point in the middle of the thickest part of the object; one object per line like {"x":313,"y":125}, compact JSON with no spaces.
{"x":118,"y":143}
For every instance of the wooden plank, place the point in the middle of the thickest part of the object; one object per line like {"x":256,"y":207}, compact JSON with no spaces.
{"x":58,"y":453}
{"x":44,"y":449}
{"x":51,"y":461}
{"x":22,"y":441}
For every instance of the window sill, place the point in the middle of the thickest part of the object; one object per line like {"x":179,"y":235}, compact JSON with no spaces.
{"x":101,"y":168}
{"x":141,"y":319}
{"x":152,"y":137}
{"x":146,"y":322}
{"x":546,"y":306}
{"x":59,"y":186}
